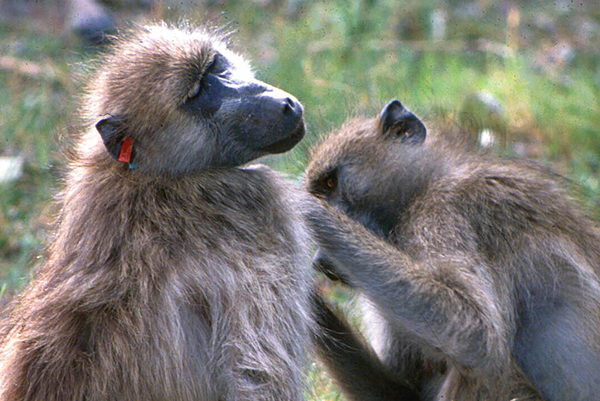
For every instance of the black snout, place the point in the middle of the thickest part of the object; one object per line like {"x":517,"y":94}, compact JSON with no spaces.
{"x":263,"y":118}
{"x":289,"y":130}
{"x":292,"y":108}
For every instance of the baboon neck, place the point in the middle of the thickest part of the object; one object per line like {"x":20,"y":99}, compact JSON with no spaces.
{"x":105,"y":214}
{"x":417,"y":172}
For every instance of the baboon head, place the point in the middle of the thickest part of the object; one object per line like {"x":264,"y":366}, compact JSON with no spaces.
{"x":171,"y":100}
{"x":368,"y":169}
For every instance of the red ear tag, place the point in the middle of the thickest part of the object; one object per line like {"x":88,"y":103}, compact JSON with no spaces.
{"x":125,"y":155}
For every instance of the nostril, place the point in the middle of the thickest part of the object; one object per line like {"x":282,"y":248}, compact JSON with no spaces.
{"x":289,"y":105}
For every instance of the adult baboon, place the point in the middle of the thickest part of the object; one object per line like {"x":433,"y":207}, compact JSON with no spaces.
{"x":481,"y":274}
{"x":173,"y":274}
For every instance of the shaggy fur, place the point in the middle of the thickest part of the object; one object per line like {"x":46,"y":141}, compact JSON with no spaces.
{"x":168,"y":281}
{"x":481,"y":275}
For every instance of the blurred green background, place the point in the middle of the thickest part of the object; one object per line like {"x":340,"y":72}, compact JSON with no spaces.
{"x":522,"y":78}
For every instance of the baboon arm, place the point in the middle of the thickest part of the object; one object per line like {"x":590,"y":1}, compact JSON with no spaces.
{"x":440,"y":302}
{"x":353,"y":364}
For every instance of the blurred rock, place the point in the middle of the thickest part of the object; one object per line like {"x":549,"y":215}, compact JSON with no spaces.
{"x":553,"y":57}
{"x":11,"y":168}
{"x":90,"y":20}
{"x":482,"y":116}
{"x":487,"y":138}
{"x":439,"y":21}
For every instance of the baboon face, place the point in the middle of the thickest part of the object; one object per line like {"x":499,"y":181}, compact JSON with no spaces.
{"x":188,"y":102}
{"x":364,"y":170}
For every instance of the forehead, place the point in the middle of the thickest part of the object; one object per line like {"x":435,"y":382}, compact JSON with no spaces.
{"x":176,"y":47}
{"x":356,"y":142}
{"x":238,"y":64}
{"x":164,"y":40}
{"x":164,"y":62}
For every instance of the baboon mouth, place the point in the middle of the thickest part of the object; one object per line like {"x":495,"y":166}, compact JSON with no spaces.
{"x":288,"y":142}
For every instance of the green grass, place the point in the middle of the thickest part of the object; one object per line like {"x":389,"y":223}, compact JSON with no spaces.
{"x":35,"y":107}
{"x":339,"y":58}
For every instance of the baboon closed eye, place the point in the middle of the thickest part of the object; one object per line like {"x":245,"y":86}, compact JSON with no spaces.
{"x":205,"y":90}
{"x":174,"y":272}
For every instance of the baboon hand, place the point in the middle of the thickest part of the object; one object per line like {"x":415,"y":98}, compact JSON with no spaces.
{"x":332,"y":231}
{"x":324,"y":222}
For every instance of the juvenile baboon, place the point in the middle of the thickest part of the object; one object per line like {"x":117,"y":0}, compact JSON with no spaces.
{"x":481,"y":274}
{"x":173,"y":273}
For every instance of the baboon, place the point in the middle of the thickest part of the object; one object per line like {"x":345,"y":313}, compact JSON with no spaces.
{"x":480,"y":274}
{"x":174,"y":272}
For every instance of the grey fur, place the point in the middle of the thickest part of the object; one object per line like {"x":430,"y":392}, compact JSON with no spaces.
{"x":481,"y":275}
{"x":177,"y":280}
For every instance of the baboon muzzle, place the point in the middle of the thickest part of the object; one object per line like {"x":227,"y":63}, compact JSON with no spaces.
{"x":270,"y":121}
{"x":261,"y":118}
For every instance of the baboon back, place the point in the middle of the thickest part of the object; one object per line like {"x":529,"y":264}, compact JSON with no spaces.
{"x":484,"y":268}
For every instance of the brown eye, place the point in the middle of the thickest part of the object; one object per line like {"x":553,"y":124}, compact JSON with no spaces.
{"x":329,"y":184}
{"x":325,"y":185}
{"x":194,"y":90}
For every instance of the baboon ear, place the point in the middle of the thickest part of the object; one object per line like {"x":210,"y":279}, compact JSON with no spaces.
{"x":113,"y":133}
{"x":397,"y":120}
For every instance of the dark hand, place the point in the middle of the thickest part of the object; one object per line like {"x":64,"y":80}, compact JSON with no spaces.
{"x":321,"y":219}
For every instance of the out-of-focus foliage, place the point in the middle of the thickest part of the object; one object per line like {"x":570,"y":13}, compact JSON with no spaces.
{"x":520,"y":77}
